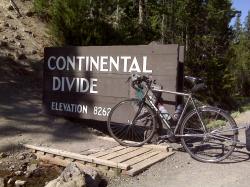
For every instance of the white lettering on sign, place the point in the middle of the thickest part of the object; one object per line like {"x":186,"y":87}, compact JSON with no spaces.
{"x":68,"y":107}
{"x":79,"y":109}
{"x":99,"y":63}
{"x":127,"y":64}
{"x":81,"y":85}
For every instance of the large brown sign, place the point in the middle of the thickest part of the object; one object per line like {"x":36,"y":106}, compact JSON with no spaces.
{"x":86,"y":82}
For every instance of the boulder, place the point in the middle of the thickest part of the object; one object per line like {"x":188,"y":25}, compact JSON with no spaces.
{"x":31,"y":169}
{"x":92,"y":177}
{"x":72,"y":176}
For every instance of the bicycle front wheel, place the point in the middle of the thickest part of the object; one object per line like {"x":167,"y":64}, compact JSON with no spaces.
{"x":212,"y":141}
{"x":131,"y":122}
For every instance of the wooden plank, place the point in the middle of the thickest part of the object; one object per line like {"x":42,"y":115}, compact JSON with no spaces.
{"x":139,"y":167}
{"x":157,"y":147}
{"x":78,"y":156}
{"x":118,"y":153}
{"x":141,"y":157}
{"x":151,"y":146}
{"x":130,"y":155}
{"x":58,"y":161}
{"x":107,"y":151}
{"x":90,"y":151}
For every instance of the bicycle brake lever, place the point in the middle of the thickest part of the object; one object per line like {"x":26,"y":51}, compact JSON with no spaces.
{"x":129,"y":78}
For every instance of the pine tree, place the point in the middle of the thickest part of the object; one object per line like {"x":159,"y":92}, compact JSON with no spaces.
{"x":237,"y":28}
{"x":247,"y":25}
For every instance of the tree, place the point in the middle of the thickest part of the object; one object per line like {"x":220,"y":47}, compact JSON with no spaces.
{"x":247,"y":25}
{"x":237,"y":28}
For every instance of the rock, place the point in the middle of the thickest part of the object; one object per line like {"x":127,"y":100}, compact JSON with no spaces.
{"x":92,"y":177}
{"x":21,"y":156}
{"x":3,"y":44}
{"x":18,"y":16}
{"x":6,"y":24}
{"x":18,"y":173}
{"x":12,"y":167}
{"x":20,"y":183}
{"x":12,"y":41}
{"x":10,"y":8}
{"x":14,"y":28}
{"x":17,"y":36}
{"x":11,"y":181}
{"x":33,"y":52}
{"x":31,"y":169}
{"x":72,"y":176}
{"x":27,"y":31}
{"x":33,"y":156}
{"x":19,"y":44}
{"x":2,"y":183}
{"x":9,"y":16}
{"x":29,"y":13}
{"x":5,"y":37}
{"x":9,"y":55}
{"x":3,"y":155}
{"x":20,"y":56}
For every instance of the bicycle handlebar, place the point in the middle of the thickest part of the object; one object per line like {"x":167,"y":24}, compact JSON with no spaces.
{"x":198,"y":84}
{"x":139,"y":80}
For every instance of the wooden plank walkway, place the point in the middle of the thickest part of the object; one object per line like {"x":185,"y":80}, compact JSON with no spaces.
{"x":114,"y":161}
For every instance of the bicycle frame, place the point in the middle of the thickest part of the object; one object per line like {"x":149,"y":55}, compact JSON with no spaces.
{"x":190,"y":98}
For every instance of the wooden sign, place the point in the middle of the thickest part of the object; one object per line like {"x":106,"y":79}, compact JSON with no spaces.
{"x":86,"y":82}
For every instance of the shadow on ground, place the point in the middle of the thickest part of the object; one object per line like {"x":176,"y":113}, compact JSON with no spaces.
{"x":21,"y":110}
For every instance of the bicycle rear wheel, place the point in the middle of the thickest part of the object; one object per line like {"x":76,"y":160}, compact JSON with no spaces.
{"x":131,"y":122}
{"x":214,"y":143}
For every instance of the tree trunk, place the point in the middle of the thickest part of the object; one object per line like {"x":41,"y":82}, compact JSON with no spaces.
{"x":141,"y":12}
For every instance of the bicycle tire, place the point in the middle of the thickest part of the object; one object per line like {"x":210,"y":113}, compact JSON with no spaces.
{"x":221,"y":134}
{"x":122,"y":129}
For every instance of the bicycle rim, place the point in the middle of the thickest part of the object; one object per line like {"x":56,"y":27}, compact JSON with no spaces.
{"x":130,"y":123}
{"x":214,"y":143}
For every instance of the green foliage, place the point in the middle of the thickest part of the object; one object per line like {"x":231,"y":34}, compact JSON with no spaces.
{"x":240,"y":58}
{"x":41,"y":8}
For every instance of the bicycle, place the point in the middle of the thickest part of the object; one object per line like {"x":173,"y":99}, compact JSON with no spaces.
{"x":207,"y":133}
